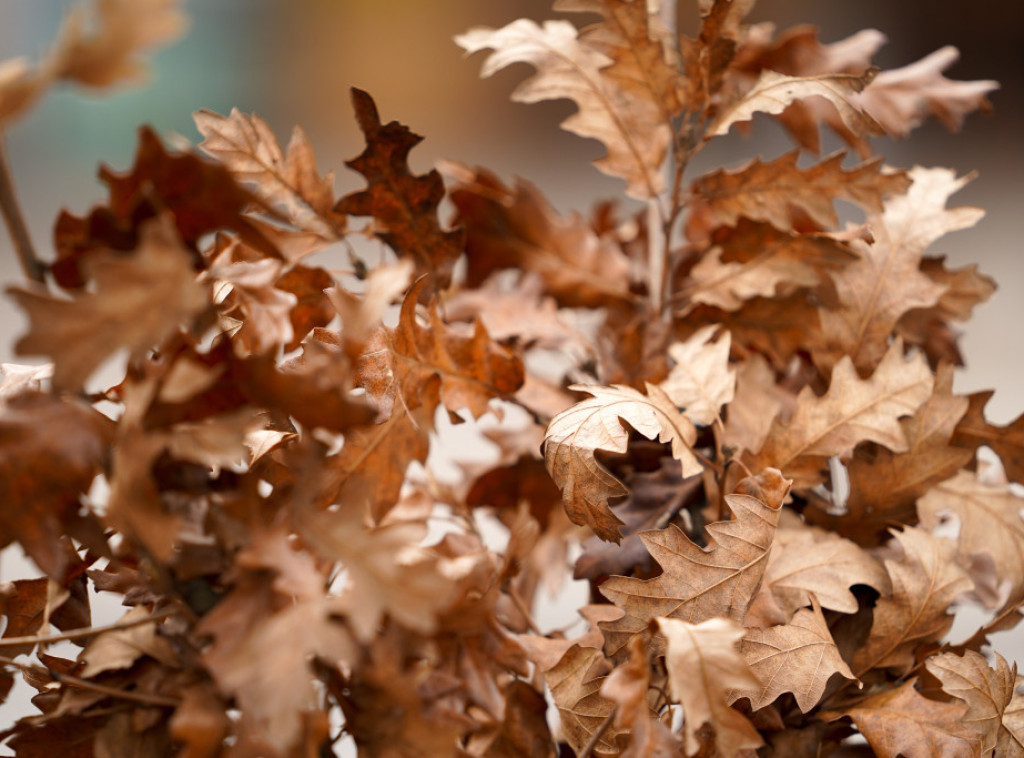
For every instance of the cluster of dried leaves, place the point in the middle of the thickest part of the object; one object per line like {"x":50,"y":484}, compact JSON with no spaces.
{"x":700,"y":378}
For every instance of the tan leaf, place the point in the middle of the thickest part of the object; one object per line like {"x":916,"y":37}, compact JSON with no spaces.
{"x":200,"y":723}
{"x":901,"y":99}
{"x":756,"y":403}
{"x":704,"y":665}
{"x":120,"y":648}
{"x":884,"y":486}
{"x":575,"y":685}
{"x":774,"y":92}
{"x":852,"y":411}
{"x":798,"y":657}
{"x":361,"y":315}
{"x":875,"y":291}
{"x":701,"y":381}
{"x":289,"y":181}
{"x":575,"y":435}
{"x":247,"y":292}
{"x":628,"y":687}
{"x":925,"y":582}
{"x":900,"y":721}
{"x":628,"y":120}
{"x":696,"y":583}
{"x":771,"y":191}
{"x":806,"y":563}
{"x":993,"y":706}
{"x":990,"y":522}
{"x":139,"y":300}
{"x":516,"y":227}
{"x":757,"y":260}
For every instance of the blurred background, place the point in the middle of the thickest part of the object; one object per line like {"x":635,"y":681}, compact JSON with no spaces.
{"x":292,"y":62}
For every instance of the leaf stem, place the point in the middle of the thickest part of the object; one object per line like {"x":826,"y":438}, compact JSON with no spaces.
{"x":83,"y":684}
{"x":74,"y":634}
{"x":15,"y":220}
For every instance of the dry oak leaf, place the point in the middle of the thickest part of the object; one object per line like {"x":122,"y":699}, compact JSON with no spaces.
{"x":701,"y":381}
{"x":990,"y":522}
{"x":139,"y":300}
{"x":884,"y":486}
{"x":901,"y":99}
{"x":925,"y":582}
{"x":755,"y":404}
{"x":697,"y":583}
{"x":772,"y":191}
{"x":403,"y":204}
{"x":877,"y":290}
{"x":473,"y":370}
{"x":627,"y":120}
{"x":288,"y":180}
{"x":119,"y":649}
{"x":853,"y":410}
{"x":994,"y":707}
{"x":628,"y":687}
{"x":51,"y":449}
{"x":705,"y":667}
{"x":774,"y":92}
{"x":755,"y":259}
{"x":575,"y":435}
{"x":808,"y":563}
{"x":798,"y":657}
{"x":575,"y":685}
{"x":1005,"y":441}
{"x":902,"y":722}
{"x":516,"y":227}
{"x":361,"y":315}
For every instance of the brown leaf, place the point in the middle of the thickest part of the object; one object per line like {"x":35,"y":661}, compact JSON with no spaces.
{"x":901,"y":721}
{"x":288,"y":181}
{"x":989,"y":694}
{"x":876,"y":291}
{"x":852,"y":411}
{"x":120,"y":648}
{"x":624,"y":116}
{"x":756,"y":403}
{"x":884,"y":486}
{"x":773,"y":92}
{"x":200,"y":723}
{"x":925,"y":582}
{"x":772,"y":191}
{"x":704,"y":666}
{"x":575,"y":435}
{"x":51,"y":448}
{"x":990,"y":522}
{"x":576,"y":690}
{"x":1005,"y":441}
{"x":696,"y":583}
{"x":517,"y":228}
{"x":139,"y":301}
{"x":403,"y":204}
{"x":798,"y":657}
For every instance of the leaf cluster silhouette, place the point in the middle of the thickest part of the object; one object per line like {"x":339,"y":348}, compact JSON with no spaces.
{"x":677,"y":398}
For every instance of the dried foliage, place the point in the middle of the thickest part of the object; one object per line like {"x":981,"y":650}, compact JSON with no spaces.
{"x":293,"y":581}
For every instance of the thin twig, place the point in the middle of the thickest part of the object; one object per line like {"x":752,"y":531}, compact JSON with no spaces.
{"x":15,"y":219}
{"x":83,"y":684}
{"x":598,"y":733}
{"x":74,"y":634}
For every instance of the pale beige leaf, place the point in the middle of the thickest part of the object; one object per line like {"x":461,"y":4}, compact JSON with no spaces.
{"x":704,"y":664}
{"x":756,"y":403}
{"x":701,"y":381}
{"x":875,"y":291}
{"x":247,"y":146}
{"x":627,"y":121}
{"x":120,"y":648}
{"x":902,"y":722}
{"x":925,"y":582}
{"x":575,"y":685}
{"x":852,"y":411}
{"x":989,"y":694}
{"x":806,"y":563}
{"x":774,"y":92}
{"x":798,"y":657}
{"x":990,"y":522}
{"x":697,"y":583}
{"x":575,"y":435}
{"x":139,"y":300}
